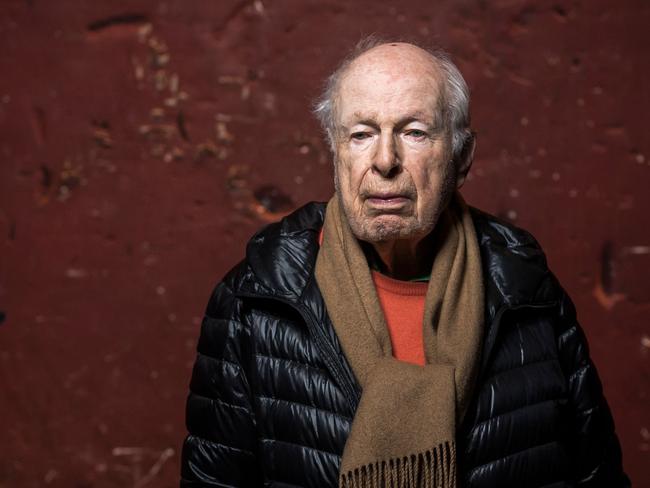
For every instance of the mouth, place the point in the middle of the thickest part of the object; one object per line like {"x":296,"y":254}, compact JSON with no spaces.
{"x":387,"y":200}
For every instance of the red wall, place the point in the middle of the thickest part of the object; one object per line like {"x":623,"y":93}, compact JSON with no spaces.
{"x":142,"y":142}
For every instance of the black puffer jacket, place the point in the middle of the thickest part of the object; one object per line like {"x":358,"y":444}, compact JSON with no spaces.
{"x":272,"y":396}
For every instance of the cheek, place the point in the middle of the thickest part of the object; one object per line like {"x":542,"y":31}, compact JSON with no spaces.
{"x":356,"y":176}
{"x":350,"y":172}
{"x":424,"y":175}
{"x":343,"y":178}
{"x":430,"y":177}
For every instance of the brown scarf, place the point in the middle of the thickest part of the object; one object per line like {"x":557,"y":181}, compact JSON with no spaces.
{"x":403,"y":433}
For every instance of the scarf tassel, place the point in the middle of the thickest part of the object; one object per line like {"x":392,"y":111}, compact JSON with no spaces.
{"x":434,"y":468}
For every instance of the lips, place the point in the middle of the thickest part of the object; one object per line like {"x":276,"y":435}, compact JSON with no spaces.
{"x":385,"y":196}
{"x":387,"y":201}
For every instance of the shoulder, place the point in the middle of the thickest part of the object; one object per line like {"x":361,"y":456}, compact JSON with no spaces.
{"x":514,"y":265}
{"x":494,"y":231}
{"x":280,"y":257}
{"x":302,"y":222}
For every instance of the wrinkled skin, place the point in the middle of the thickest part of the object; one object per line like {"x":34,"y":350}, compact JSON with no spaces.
{"x":394,"y":172}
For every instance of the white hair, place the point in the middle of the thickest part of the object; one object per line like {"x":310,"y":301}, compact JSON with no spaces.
{"x":454,"y":105}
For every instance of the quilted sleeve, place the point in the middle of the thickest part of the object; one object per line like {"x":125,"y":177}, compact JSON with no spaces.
{"x":220,"y":447}
{"x":597,"y":461}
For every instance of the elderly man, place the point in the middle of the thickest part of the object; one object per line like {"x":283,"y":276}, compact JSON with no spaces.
{"x":395,"y":337}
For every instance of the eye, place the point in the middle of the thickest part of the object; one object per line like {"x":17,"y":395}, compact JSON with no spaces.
{"x":359,"y":136}
{"x":416,"y":133}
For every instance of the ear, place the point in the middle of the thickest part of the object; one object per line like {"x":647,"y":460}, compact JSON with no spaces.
{"x":465,"y":159}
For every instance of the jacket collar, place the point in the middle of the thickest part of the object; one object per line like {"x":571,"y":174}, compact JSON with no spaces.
{"x":515,"y":272}
{"x":282,"y":257}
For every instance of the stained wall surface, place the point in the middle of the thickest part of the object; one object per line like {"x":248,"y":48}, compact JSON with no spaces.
{"x":142,"y":142}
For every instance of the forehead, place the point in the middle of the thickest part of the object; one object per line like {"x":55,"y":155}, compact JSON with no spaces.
{"x":388,"y":87}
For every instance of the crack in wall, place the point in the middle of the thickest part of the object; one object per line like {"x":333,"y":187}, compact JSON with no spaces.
{"x":117,"y":20}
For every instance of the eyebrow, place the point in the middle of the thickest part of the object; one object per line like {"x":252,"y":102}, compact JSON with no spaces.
{"x":417,"y":116}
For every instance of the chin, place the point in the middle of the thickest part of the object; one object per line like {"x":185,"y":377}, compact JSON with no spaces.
{"x":388,"y":228}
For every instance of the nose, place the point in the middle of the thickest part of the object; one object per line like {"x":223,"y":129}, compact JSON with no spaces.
{"x":387,"y":161}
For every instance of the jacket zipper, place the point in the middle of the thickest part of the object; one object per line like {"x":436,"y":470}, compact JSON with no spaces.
{"x":324,"y":346}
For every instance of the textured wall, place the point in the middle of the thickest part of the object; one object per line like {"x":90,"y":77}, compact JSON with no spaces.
{"x":142,"y":142}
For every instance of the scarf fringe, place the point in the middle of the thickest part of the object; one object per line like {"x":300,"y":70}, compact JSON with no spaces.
{"x":434,"y":468}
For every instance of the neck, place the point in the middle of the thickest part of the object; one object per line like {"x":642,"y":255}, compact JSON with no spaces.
{"x":404,"y":259}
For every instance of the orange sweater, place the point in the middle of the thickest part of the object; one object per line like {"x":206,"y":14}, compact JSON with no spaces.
{"x":403,"y":306}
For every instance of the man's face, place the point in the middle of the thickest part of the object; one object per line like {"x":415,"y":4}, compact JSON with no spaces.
{"x":392,"y":171}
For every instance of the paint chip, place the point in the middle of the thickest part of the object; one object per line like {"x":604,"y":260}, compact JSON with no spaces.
{"x":645,"y":341}
{"x":75,"y":273}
